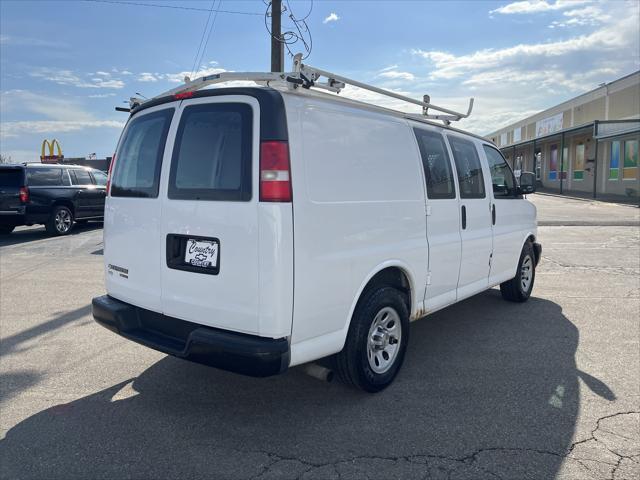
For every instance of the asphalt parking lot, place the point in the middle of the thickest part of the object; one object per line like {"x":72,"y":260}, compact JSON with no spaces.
{"x":489,"y":389}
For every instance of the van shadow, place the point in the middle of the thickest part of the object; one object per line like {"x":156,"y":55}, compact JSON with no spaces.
{"x":489,"y":389}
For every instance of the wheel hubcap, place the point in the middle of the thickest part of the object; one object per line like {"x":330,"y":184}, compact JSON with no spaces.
{"x":526,"y":273}
{"x":384,"y":340}
{"x":63,"y":221}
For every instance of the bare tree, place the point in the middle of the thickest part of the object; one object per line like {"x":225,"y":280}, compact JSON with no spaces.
{"x":5,"y":159}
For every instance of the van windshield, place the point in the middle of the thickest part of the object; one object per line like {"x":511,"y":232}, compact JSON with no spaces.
{"x":138,"y":161}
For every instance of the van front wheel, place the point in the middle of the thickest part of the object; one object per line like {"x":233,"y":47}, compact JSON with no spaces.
{"x":377,"y":340}
{"x":519,"y":288}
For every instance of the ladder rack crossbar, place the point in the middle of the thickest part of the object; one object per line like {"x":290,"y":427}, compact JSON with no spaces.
{"x":306,"y":77}
{"x":348,"y":81}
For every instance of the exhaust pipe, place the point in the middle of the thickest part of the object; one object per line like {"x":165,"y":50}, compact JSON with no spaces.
{"x":317,"y":371}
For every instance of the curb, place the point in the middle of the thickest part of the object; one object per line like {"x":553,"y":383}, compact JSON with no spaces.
{"x":580,"y":223}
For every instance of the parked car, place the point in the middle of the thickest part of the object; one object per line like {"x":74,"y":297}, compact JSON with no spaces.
{"x":254,"y":229}
{"x":53,"y":195}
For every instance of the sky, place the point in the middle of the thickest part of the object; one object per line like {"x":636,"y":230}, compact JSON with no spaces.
{"x":65,"y":65}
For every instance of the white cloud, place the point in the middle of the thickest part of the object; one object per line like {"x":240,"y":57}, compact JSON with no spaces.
{"x":54,"y":114}
{"x":587,"y":16}
{"x":521,"y":79}
{"x":51,"y":107}
{"x":536,"y":6}
{"x":395,"y":75}
{"x":16,"y":129}
{"x":71,"y":78}
{"x":147,"y":77}
{"x":613,"y":38}
{"x":30,"y":42}
{"x":102,"y":95}
{"x":333,"y":17}
{"x":178,"y":77}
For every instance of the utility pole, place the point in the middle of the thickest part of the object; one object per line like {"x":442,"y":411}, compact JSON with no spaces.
{"x":277,"y":47}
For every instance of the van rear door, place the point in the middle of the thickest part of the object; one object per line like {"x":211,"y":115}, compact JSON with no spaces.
{"x":133,"y":210}
{"x":210,"y":232}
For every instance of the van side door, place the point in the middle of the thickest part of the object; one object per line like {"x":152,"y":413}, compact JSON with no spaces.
{"x":475,"y":217}
{"x":443,"y":219}
{"x":508,"y":214}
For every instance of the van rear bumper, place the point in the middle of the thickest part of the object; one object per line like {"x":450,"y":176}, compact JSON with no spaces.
{"x":232,"y":351}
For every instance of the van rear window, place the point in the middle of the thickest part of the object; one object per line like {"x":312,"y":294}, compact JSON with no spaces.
{"x":138,"y":161}
{"x":11,"y":177}
{"x":212,"y":154}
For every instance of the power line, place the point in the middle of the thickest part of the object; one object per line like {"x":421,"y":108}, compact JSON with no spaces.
{"x":204,"y":49}
{"x":177,"y":7}
{"x":206,"y":25}
{"x":290,"y":37}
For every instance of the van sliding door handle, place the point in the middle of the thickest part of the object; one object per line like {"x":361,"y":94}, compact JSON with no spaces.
{"x":464,"y":217}
{"x":493,"y":214}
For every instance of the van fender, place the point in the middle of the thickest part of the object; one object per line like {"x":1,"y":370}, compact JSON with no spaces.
{"x":416,"y":304}
{"x":530,"y":236}
{"x":333,"y":342}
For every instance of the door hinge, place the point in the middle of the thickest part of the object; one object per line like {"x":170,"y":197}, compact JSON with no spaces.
{"x":428,"y":278}
{"x":428,"y":210}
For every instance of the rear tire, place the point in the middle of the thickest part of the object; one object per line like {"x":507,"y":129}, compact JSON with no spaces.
{"x":519,"y":288}
{"x":6,"y":229}
{"x":60,"y":222}
{"x":376,"y":342}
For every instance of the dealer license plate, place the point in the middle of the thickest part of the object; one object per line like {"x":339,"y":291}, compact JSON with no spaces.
{"x":201,"y":253}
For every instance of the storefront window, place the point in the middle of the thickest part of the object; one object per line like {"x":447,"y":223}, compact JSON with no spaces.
{"x":564,"y":162}
{"x":578,"y":170}
{"x":614,"y":161}
{"x":553,"y":163}
{"x":630,"y":169}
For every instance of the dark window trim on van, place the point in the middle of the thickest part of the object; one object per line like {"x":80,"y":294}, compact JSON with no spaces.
{"x":244,"y":191}
{"x":273,"y":120}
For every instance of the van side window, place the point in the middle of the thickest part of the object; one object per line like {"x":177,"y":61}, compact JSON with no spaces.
{"x":45,"y":177}
{"x":138,"y":161}
{"x":470,"y":176}
{"x":437,"y":166}
{"x":501,"y":175}
{"x":212,"y":155}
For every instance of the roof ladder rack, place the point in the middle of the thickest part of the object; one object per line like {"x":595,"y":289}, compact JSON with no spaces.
{"x":307,"y":77}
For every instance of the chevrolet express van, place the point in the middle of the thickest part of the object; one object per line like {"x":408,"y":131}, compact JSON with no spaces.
{"x":253,"y":229}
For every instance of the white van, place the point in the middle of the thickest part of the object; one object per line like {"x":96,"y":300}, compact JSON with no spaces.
{"x":258,"y":228}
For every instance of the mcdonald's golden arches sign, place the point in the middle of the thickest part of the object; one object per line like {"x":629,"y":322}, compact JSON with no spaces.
{"x":51,"y":158}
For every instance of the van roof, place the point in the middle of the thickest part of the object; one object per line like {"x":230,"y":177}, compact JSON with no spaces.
{"x":260,"y":91}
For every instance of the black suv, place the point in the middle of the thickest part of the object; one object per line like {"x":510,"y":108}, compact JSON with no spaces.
{"x":53,"y":195}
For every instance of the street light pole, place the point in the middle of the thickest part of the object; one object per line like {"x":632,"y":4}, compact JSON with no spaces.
{"x":277,"y":47}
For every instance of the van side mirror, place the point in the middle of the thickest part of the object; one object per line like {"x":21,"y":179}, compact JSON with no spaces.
{"x":527,"y":183}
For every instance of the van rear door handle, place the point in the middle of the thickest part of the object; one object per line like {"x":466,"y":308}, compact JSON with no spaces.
{"x":493,"y":214}
{"x":464,"y":217}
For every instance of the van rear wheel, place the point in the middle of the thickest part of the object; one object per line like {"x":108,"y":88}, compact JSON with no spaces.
{"x":377,"y":340}
{"x":519,"y":288}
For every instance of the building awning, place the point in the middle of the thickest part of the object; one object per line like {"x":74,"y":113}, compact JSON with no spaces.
{"x":586,"y":126}
{"x":616,"y":128}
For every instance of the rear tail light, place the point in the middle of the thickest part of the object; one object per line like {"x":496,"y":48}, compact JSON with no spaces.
{"x":113,"y":160}
{"x":275,"y":172}
{"x":24,"y":195}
